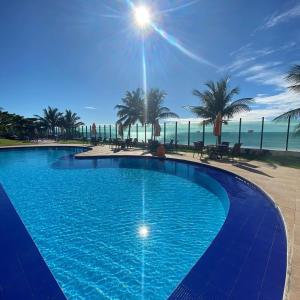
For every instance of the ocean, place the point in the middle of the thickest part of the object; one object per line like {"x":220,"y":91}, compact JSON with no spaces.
{"x":274,"y":133}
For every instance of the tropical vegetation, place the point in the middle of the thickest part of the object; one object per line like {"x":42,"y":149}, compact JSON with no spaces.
{"x":136,"y":107}
{"x":217,"y":100}
{"x":293,"y":78}
{"x":15,"y":126}
{"x":132,"y":109}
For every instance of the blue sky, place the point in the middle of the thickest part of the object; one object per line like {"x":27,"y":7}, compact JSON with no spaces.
{"x":83,"y":55}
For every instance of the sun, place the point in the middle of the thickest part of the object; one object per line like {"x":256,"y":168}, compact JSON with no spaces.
{"x":142,"y":16}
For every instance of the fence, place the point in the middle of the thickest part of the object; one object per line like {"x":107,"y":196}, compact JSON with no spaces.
{"x":261,"y":134}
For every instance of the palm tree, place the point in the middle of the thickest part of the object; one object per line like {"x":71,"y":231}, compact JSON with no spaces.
{"x":294,"y":78}
{"x":155,"y":109}
{"x":70,"y":120}
{"x":131,"y":110}
{"x":218,"y":99}
{"x":51,"y":118}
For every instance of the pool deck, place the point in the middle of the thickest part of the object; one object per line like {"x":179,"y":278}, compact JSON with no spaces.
{"x":281,"y":183}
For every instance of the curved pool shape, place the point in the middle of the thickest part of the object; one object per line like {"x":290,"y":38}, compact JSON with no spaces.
{"x":114,"y":228}
{"x":135,"y":228}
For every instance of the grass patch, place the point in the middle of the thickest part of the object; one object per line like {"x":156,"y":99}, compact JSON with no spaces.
{"x":8,"y":142}
{"x":72,"y":142}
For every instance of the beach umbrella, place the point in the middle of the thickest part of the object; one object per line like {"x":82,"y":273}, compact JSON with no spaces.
{"x":94,"y":130}
{"x":218,"y":125}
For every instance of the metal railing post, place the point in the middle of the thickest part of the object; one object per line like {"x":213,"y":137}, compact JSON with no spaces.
{"x":116,"y":131}
{"x":240,"y":127}
{"x":164,"y":133}
{"x":152,"y":132}
{"x":86,"y":132}
{"x":110,"y":131}
{"x":288,"y":134}
{"x":129,"y":131}
{"x":262,"y":132}
{"x":137,"y":131}
{"x":145,"y":133}
{"x":104,"y":131}
{"x":189,"y":134}
{"x":176,"y":134}
{"x":203,"y":133}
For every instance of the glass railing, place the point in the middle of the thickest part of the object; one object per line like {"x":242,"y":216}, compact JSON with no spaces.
{"x":261,"y":134}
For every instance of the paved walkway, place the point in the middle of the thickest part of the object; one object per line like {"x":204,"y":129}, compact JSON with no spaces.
{"x":281,"y":183}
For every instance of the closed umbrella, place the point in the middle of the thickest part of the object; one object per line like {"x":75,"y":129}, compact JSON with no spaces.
{"x":157,"y":129}
{"x":94,"y":130}
{"x":218,"y":125}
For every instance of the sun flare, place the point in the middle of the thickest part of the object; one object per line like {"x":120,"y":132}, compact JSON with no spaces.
{"x":142,"y":16}
{"x":143,"y":231}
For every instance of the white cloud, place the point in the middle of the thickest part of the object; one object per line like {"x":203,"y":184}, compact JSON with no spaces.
{"x":90,"y":107}
{"x":278,"y":18}
{"x":246,"y":55}
{"x":241,"y":49}
{"x":184,"y":120}
{"x":272,"y":106}
{"x":265,"y":106}
{"x":258,"y":68}
{"x":239,"y":63}
{"x":265,"y":74}
{"x":269,"y":77}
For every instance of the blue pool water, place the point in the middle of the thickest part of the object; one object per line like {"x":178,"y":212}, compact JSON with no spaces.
{"x":124,"y":228}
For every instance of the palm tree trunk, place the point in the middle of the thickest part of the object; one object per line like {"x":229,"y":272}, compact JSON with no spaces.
{"x":220,"y":136}
{"x":129,"y":129}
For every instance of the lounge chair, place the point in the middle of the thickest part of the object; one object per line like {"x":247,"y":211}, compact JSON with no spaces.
{"x":135,"y":142}
{"x":152,"y":146}
{"x":198,"y":148}
{"x":236,"y":150}
{"x":170,"y":146}
{"x":128,"y":143}
{"x":223,"y":149}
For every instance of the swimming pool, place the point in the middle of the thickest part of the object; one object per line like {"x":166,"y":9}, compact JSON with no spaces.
{"x":114,"y":228}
